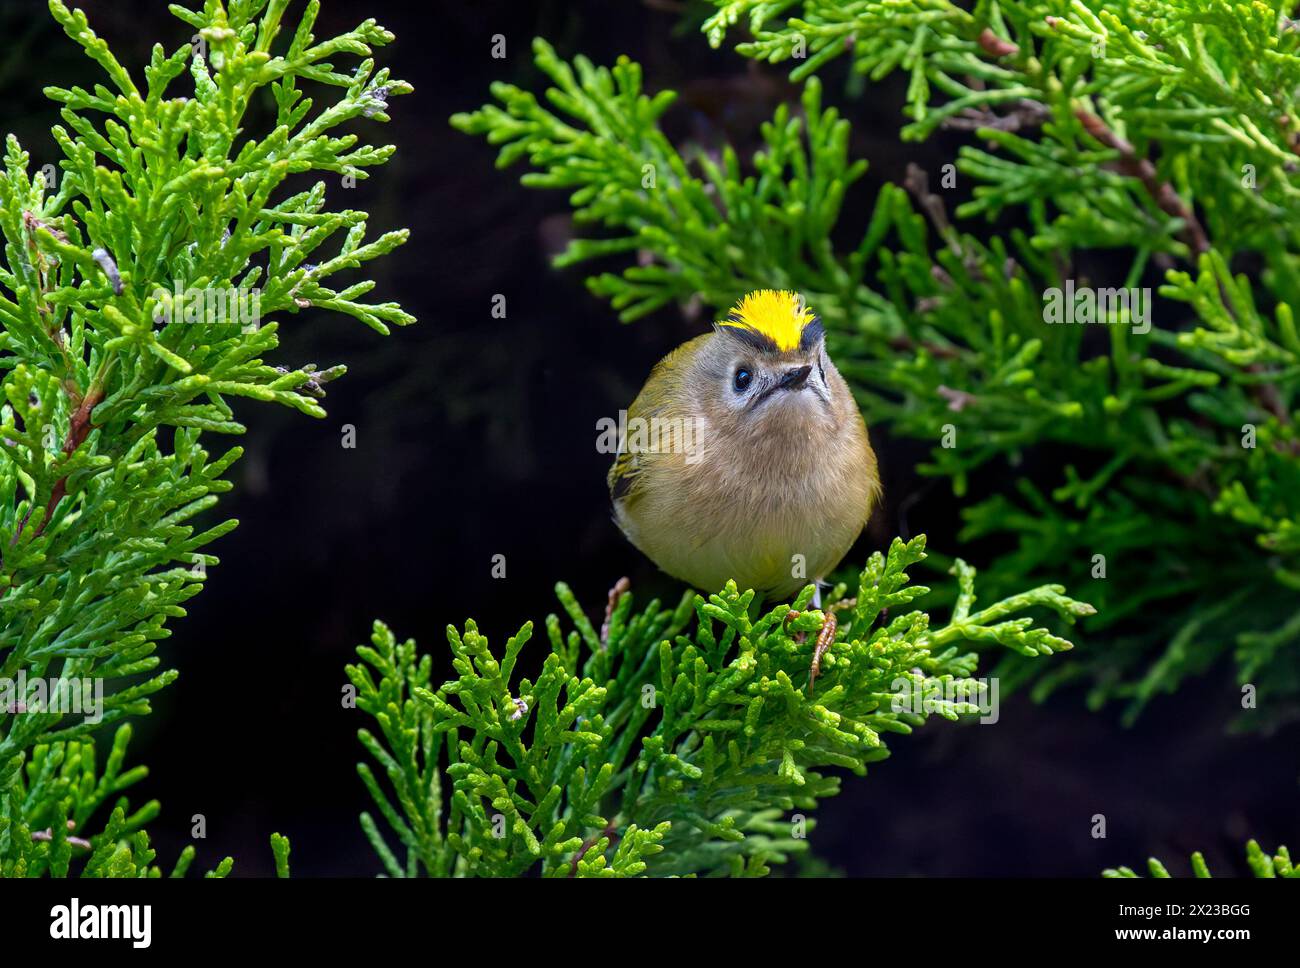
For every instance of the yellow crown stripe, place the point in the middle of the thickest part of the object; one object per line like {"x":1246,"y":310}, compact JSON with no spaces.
{"x":779,"y":315}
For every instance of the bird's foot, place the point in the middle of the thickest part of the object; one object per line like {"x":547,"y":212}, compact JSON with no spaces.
{"x":825,"y":639}
{"x":825,"y":635}
{"x":790,"y":616}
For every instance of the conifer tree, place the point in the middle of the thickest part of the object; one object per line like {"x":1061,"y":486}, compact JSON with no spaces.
{"x":143,"y":282}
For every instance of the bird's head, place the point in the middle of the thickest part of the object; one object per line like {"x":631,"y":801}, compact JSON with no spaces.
{"x":765,"y":370}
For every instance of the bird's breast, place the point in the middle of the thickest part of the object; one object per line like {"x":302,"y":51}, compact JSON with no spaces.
{"x":773,"y":515}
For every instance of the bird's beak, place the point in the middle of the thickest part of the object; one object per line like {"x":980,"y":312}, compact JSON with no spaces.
{"x":795,"y":379}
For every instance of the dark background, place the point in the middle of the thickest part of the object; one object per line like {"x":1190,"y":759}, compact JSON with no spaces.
{"x":475,"y":438}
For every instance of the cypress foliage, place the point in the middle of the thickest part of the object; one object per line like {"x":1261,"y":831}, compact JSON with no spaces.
{"x":137,"y":288}
{"x":685,"y":740}
{"x":1260,"y":864}
{"x":1148,"y":152}
{"x":1154,"y":137}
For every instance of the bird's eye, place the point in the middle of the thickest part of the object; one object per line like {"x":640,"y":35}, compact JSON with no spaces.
{"x":742,"y":380}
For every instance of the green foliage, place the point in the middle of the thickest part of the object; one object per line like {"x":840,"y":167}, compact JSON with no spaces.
{"x":137,"y":288}
{"x":45,"y":817}
{"x":1261,"y":865}
{"x":675,"y":741}
{"x":280,"y":852}
{"x":1144,"y":135}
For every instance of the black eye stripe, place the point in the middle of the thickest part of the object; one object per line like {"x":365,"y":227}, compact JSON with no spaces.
{"x":812,"y":332}
{"x":750,"y":337}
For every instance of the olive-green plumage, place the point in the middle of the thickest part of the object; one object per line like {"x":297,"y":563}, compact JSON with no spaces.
{"x":746,"y":456}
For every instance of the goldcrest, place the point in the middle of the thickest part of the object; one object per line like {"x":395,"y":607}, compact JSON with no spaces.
{"x":745,"y":455}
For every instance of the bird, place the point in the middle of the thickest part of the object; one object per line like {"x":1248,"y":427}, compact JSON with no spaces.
{"x":745,"y":456}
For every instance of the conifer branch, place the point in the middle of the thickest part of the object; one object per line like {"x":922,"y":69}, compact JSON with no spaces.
{"x":682,"y":742}
{"x":141,"y":288}
{"x":1260,"y":863}
{"x":1105,"y":130}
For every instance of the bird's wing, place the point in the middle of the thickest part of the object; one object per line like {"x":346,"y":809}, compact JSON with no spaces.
{"x":629,"y":466}
{"x":623,"y":475}
{"x":628,"y":473}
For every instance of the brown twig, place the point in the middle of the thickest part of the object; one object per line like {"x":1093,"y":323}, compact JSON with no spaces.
{"x":1141,"y":168}
{"x":48,"y":834}
{"x":610,"y":831}
{"x":917,"y":182}
{"x":995,"y":45}
{"x":1270,"y":398}
{"x":78,"y":431}
{"x":615,"y":594}
{"x":1193,"y":233}
{"x":937,"y":350}
{"x":958,"y":400}
{"x":1026,"y":113}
